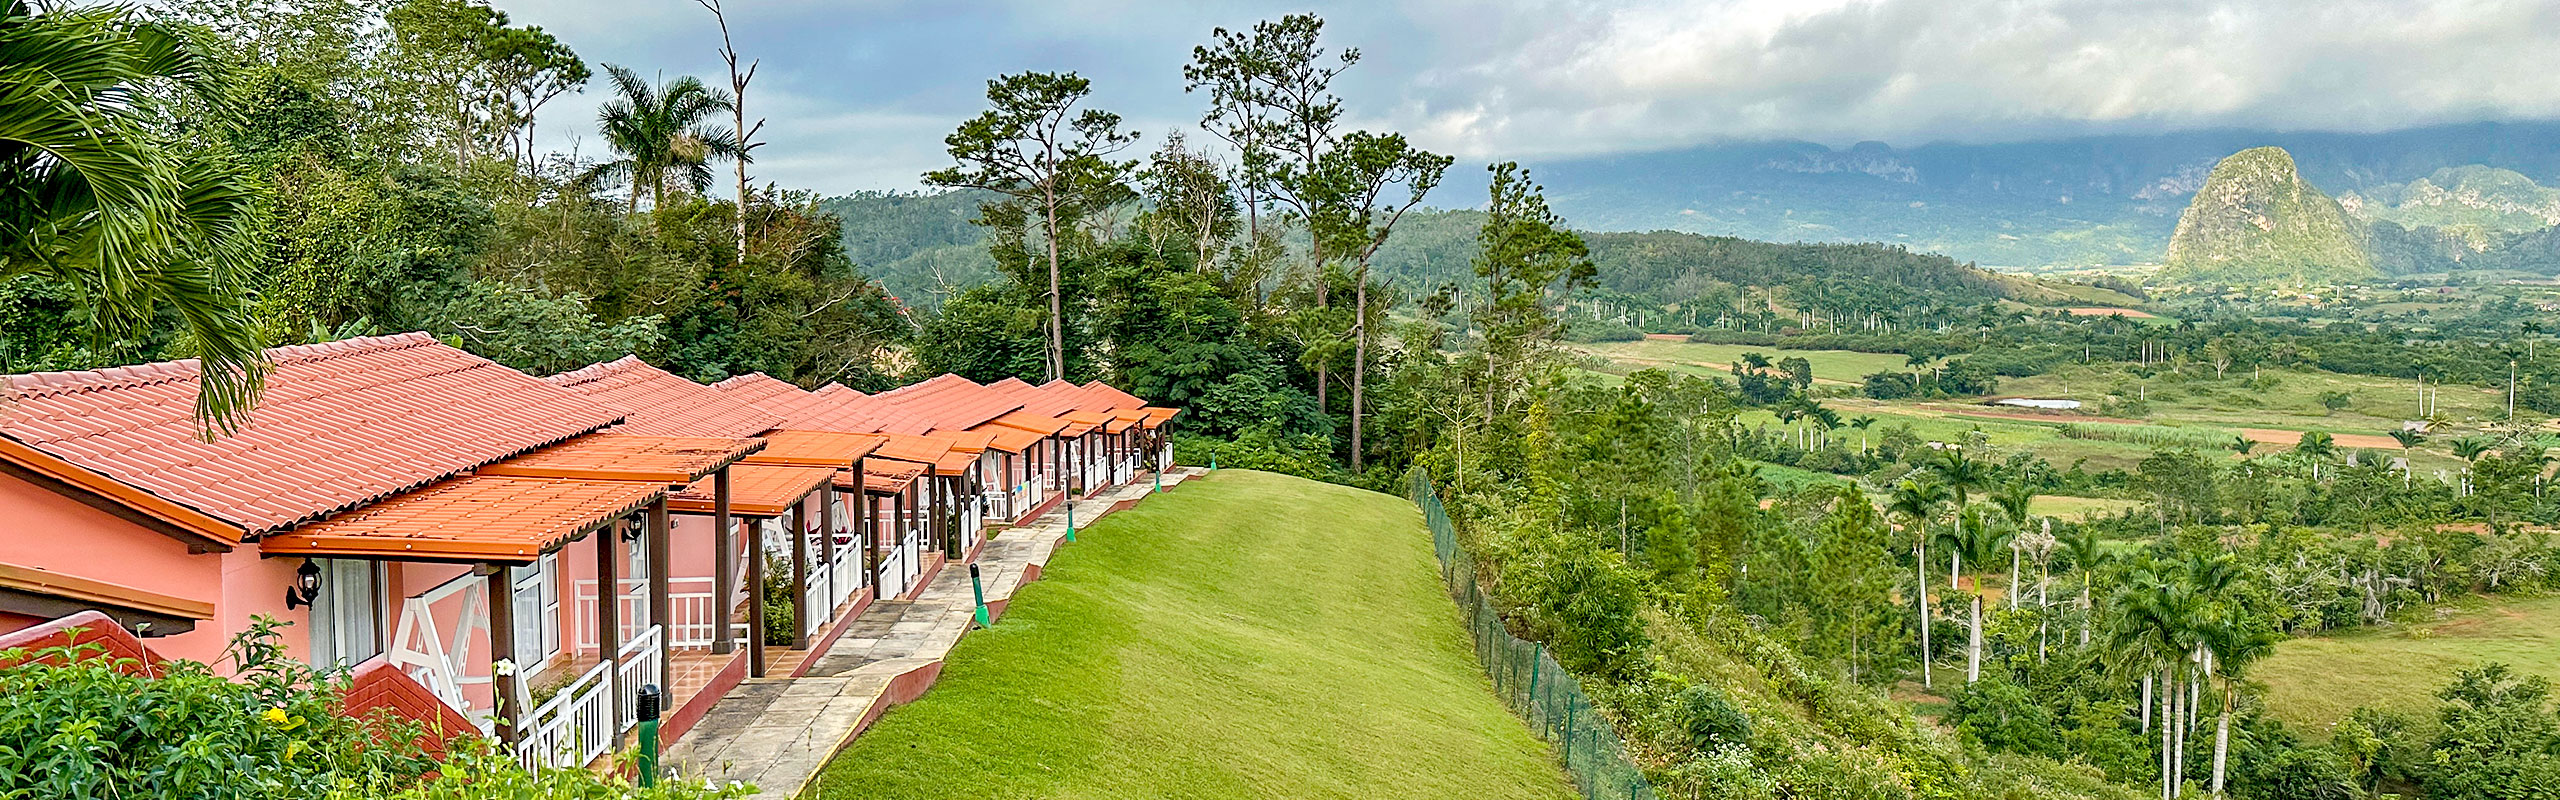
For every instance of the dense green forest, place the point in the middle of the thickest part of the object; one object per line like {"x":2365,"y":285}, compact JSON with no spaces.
{"x":1760,"y":614}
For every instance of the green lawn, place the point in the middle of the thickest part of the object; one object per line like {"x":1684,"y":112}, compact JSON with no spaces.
{"x":1244,"y":635}
{"x":2315,"y":681}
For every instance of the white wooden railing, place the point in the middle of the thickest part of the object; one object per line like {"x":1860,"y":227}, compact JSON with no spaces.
{"x":900,"y":564}
{"x":844,"y":573}
{"x":639,"y":665}
{"x":689,"y":601}
{"x":587,"y":718}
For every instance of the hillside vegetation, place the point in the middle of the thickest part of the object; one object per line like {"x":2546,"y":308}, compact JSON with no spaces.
{"x":1244,"y":635}
{"x":2256,"y":220}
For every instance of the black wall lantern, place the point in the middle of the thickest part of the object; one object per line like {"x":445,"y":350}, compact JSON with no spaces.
{"x":306,"y":585}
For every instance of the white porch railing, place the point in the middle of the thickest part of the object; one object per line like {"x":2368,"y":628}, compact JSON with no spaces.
{"x":639,"y":666}
{"x":899,"y":566}
{"x":575,"y":726}
{"x":696,"y":617}
{"x":844,"y":574}
{"x":587,"y":718}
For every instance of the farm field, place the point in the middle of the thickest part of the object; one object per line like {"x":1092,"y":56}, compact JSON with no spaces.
{"x":1202,"y":645}
{"x":2274,"y":410}
{"x":2315,"y":681}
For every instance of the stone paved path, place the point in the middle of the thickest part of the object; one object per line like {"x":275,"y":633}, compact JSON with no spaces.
{"x":778,"y":732}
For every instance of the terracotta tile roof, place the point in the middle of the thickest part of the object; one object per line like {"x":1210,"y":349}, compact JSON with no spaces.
{"x":493,"y":519}
{"x":836,"y":408}
{"x":799,"y":448}
{"x":1157,"y":416}
{"x":917,"y":449}
{"x":971,"y":442}
{"x":1012,"y":440}
{"x":655,"y":402}
{"x":1024,"y":420}
{"x":1114,"y":397}
{"x":619,"y":457}
{"x":889,"y":477}
{"x":755,"y":490}
{"x":1075,"y":396}
{"x":1034,"y":399}
{"x":774,"y":395}
{"x":342,"y":424}
{"x":951,"y":402}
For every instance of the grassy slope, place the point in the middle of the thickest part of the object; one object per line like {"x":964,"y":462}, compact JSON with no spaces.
{"x":1246,"y":635}
{"x":2315,"y":681}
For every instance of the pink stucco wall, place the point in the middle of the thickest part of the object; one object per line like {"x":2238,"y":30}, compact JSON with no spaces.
{"x":49,"y":531}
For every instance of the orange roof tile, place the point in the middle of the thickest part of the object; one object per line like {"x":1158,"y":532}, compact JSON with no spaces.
{"x":619,"y":457}
{"x":801,"y":448}
{"x":971,"y":442}
{"x":950,"y":401}
{"x":342,"y":424}
{"x":491,"y":519}
{"x":918,"y":449}
{"x":1035,"y":399}
{"x":1157,"y":416}
{"x":1012,"y":440}
{"x":755,"y":490}
{"x":889,"y":477}
{"x":1112,"y":397}
{"x":1035,"y":423}
{"x":774,"y":395}
{"x":655,"y":402}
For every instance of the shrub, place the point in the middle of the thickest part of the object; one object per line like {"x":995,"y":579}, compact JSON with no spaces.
{"x":1711,"y":720}
{"x":2003,"y":716}
{"x":1588,"y":330}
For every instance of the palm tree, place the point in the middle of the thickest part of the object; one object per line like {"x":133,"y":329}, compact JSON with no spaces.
{"x":94,"y":193}
{"x":1962,"y":475}
{"x":1916,"y":502}
{"x":2013,"y":499}
{"x":2408,"y":439}
{"x":2243,"y":445}
{"x":660,"y":132}
{"x":2471,"y":448}
{"x":2153,"y":633}
{"x":2088,"y":553}
{"x":2235,"y":641}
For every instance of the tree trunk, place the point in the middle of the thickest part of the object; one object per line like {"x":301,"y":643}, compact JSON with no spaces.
{"x":2222,"y":740}
{"x":1973,"y":647}
{"x":2166,"y":747}
{"x":1955,"y":568}
{"x":1057,"y":313}
{"x":2087,"y":611}
{"x":2146,"y":703}
{"x":1359,"y":363}
{"x":1920,"y":556}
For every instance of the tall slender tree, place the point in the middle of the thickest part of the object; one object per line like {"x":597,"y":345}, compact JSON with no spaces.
{"x":1051,"y":160}
{"x":746,"y":142}
{"x":1363,"y":188}
{"x":1916,"y":502}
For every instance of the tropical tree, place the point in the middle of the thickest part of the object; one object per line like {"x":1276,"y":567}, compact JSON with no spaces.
{"x":1916,"y":502}
{"x":1050,"y":160}
{"x":1962,"y":474}
{"x":659,"y":130}
{"x":2088,"y":553}
{"x":2235,"y":639}
{"x":96,"y":191}
{"x":2471,"y":448}
{"x":1362,"y":188}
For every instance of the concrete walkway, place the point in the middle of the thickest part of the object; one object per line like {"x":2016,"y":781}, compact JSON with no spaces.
{"x":778,"y":732}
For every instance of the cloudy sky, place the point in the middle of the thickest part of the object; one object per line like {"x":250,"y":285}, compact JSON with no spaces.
{"x":860,"y":92}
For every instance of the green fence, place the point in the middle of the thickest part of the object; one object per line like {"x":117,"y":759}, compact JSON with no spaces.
{"x":1528,"y":679}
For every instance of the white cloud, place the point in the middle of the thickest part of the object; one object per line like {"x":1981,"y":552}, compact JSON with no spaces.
{"x":1603,"y":77}
{"x":860,"y":94}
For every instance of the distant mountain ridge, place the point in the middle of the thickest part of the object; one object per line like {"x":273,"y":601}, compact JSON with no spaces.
{"x":2074,"y":201}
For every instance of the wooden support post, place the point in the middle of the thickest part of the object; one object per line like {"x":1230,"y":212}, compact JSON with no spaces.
{"x":827,"y":544}
{"x":724,"y":565}
{"x":502,"y":647}
{"x":661,"y":573}
{"x":869,"y":520}
{"x":608,"y":541}
{"x":935,"y":487}
{"x":755,"y":596}
{"x":800,"y":611}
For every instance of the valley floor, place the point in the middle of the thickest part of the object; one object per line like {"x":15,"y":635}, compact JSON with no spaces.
{"x":2315,"y":681}
{"x":1248,"y":635}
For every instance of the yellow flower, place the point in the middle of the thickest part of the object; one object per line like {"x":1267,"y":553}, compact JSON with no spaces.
{"x":275,"y":716}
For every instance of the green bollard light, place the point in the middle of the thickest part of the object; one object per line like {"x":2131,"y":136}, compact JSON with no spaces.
{"x":1071,"y":520}
{"x":651,"y":697}
{"x":979,"y":590}
{"x":1159,"y":481}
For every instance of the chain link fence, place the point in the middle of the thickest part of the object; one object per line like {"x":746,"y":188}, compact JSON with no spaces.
{"x":1527,"y":679}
